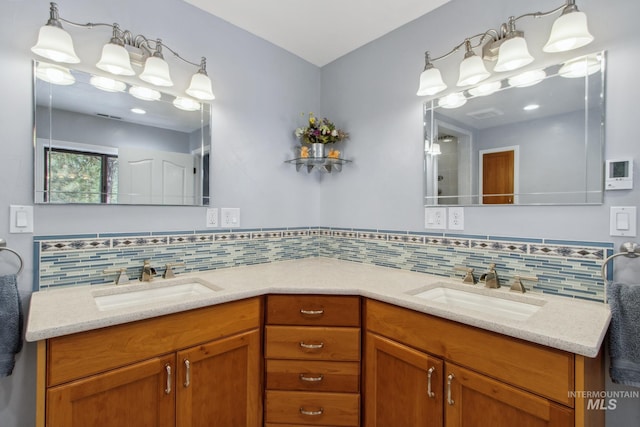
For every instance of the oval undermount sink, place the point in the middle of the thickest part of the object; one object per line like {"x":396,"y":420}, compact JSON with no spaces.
{"x":152,"y":293}
{"x":493,"y":305}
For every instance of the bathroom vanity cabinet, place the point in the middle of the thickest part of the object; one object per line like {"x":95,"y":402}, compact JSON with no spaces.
{"x":312,"y":351}
{"x":424,"y":370}
{"x":196,"y":368}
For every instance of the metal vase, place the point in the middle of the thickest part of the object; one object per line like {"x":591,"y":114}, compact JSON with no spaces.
{"x":317,"y":150}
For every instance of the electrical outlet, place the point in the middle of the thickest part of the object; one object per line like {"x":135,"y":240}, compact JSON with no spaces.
{"x":435,"y":218}
{"x":230,"y":217}
{"x":456,"y":218}
{"x":212,"y":217}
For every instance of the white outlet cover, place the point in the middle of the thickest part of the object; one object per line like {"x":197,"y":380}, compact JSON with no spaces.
{"x":212,"y":217}
{"x":435,"y":218}
{"x":456,"y":218}
{"x":622,"y":221}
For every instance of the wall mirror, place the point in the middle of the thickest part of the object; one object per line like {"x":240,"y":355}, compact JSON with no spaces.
{"x":534,"y":138}
{"x":101,"y":141}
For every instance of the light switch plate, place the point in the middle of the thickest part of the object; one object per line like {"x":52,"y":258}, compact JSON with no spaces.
{"x":20,"y":219}
{"x":435,"y":218}
{"x":622,"y":221}
{"x":230,"y":217}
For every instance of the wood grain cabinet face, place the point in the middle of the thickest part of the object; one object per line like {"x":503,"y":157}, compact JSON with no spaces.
{"x":191,"y":382}
{"x":312,"y":351}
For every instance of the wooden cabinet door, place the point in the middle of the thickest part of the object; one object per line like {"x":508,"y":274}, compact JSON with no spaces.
{"x":397,"y":390}
{"x":218,"y":383}
{"x":138,"y":395}
{"x":473,"y":399}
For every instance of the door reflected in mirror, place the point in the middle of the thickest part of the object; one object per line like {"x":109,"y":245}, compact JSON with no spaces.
{"x":536,"y":138}
{"x":101,"y":141}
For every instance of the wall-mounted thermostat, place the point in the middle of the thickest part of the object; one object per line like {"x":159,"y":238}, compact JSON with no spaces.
{"x":619,"y":174}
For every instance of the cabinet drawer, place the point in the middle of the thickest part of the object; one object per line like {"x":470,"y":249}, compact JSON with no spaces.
{"x":307,"y":408}
{"x":79,"y":355}
{"x":542,"y":370}
{"x":313,"y":375}
{"x":312,"y":343}
{"x":321,"y":310}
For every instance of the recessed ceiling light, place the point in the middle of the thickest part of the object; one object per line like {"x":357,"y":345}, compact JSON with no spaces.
{"x":531,"y":107}
{"x":138,"y":111}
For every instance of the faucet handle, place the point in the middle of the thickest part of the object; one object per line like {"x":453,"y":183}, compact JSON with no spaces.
{"x":122,"y":274}
{"x":469,"y":278}
{"x":517,"y":282}
{"x":168,"y":272}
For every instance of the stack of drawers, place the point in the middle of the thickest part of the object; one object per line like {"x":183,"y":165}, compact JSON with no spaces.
{"x":312,"y":350}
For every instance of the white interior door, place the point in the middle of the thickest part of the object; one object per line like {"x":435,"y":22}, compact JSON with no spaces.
{"x":155,"y":177}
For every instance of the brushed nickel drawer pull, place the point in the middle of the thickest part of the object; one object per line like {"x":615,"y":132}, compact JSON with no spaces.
{"x":303,"y":411}
{"x":430,"y":393}
{"x":311,"y":346}
{"x":167,"y":389}
{"x":187,"y":373}
{"x":309,"y":379}
{"x":449,"y":380}
{"x":311,"y":312}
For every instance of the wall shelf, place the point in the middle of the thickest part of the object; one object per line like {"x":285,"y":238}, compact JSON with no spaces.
{"x":324,"y":164}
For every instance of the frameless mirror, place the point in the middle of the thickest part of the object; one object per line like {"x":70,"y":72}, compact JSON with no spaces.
{"x":114,"y":145}
{"x":533,"y":138}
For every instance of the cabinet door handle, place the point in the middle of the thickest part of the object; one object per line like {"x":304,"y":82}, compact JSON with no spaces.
{"x":187,"y":373}
{"x":167,"y":390}
{"x":318,"y":378}
{"x":450,"y":378}
{"x":430,"y":372}
{"x":320,"y":411}
{"x":311,"y":312}
{"x":311,"y":346}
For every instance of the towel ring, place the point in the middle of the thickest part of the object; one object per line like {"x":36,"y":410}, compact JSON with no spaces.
{"x":3,"y":247}
{"x":627,"y":249}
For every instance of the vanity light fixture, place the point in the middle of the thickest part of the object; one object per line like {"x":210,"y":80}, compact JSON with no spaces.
{"x":186,"y":104}
{"x":56,"y":44}
{"x":453,"y":100}
{"x":138,"y":111}
{"x":485,"y":89}
{"x":581,"y":67}
{"x":508,"y":47}
{"x":530,"y":107}
{"x":434,"y":150}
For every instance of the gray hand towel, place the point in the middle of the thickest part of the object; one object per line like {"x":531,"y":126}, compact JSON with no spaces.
{"x":624,"y":333}
{"x":10,"y":323}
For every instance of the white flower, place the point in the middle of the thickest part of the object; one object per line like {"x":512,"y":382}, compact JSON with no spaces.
{"x":299,"y":132}
{"x":334,"y":133}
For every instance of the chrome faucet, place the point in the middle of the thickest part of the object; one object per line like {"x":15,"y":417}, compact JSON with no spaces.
{"x":122,"y":275}
{"x":490,"y":278}
{"x":469,"y":278}
{"x":168,"y":272}
{"x":147,"y":271}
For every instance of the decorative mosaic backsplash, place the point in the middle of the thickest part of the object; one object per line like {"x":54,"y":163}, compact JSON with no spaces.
{"x":564,"y":268}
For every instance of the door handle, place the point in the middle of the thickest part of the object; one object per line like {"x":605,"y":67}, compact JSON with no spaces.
{"x":430,"y":372}
{"x":167,"y":389}
{"x":450,"y":378}
{"x":187,"y":373}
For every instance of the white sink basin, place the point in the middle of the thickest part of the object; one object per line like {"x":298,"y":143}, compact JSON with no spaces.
{"x":151,"y":293}
{"x":492,"y":305}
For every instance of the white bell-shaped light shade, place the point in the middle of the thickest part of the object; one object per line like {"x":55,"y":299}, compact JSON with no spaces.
{"x":200,"y":87}
{"x":528,"y":78}
{"x":107,"y":84}
{"x":55,"y":43}
{"x":144,"y":93}
{"x":453,"y":100}
{"x":472,"y":71}
{"x":485,"y":89}
{"x":569,"y":32}
{"x":435,"y":149}
{"x":115,"y":60}
{"x":430,"y":82}
{"x":580,"y":67}
{"x":54,"y":74}
{"x":186,"y":104}
{"x":513,"y":54}
{"x":156,"y":72}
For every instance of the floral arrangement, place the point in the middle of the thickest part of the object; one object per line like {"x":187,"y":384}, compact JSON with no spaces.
{"x":320,"y":131}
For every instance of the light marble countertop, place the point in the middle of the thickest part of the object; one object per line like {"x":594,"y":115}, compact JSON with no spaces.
{"x":563,"y":323}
